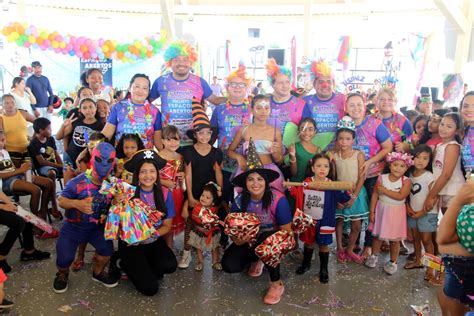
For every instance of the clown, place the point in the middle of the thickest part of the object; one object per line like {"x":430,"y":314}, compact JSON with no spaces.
{"x":285,"y":107}
{"x":84,"y":205}
{"x":326,"y":106}
{"x":177,"y":89}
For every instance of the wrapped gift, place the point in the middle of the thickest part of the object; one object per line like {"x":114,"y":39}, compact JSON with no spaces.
{"x":432,"y":261}
{"x":33,"y":219}
{"x":208,"y":219}
{"x":302,"y":221}
{"x":242,"y":226}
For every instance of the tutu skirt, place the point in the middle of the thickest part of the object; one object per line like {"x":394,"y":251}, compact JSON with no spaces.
{"x":390,"y":222}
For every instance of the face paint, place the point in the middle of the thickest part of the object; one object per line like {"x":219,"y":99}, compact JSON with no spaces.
{"x":102,"y":161}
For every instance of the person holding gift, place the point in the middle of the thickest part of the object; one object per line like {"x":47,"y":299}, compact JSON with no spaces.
{"x":274,"y":213}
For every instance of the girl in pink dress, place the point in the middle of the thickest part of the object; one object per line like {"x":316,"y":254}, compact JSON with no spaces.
{"x":388,"y":213}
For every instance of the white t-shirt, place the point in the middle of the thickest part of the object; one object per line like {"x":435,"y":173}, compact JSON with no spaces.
{"x":6,"y":164}
{"x":392,"y":186}
{"x":23,"y":103}
{"x":456,"y":181}
{"x":419,"y":191}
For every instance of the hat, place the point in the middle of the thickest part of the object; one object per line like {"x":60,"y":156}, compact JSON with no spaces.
{"x":254,"y":164}
{"x":57,"y":102}
{"x":465,"y":227}
{"x":200,"y":121}
{"x":425,"y":95}
{"x":36,"y":64}
{"x":144,"y":154}
{"x":346,"y":123}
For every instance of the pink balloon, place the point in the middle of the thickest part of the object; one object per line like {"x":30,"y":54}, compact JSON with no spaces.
{"x":79,"y":54}
{"x":47,"y":43}
{"x":88,"y":42}
{"x":43,"y":47}
{"x":101,"y":42}
{"x":80,"y":41}
{"x":72,"y":39}
{"x":57,"y":50}
{"x":59,"y":38}
{"x":27,"y":44}
{"x":69,"y":47}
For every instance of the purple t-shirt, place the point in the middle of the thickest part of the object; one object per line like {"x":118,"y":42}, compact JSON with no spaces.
{"x":176,"y":100}
{"x":141,"y":119}
{"x":284,"y":112}
{"x":399,"y":127}
{"x":326,"y":113}
{"x":468,"y":150}
{"x":369,"y":135}
{"x":228,"y":119}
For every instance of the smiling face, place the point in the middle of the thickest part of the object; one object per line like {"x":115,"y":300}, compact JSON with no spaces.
{"x":261,"y":110}
{"x":171,"y":143}
{"x":9,"y":106}
{"x":307,"y":131}
{"x":398,"y":168}
{"x":324,"y":87}
{"x":447,"y":128}
{"x":255,"y":184}
{"x":95,"y":80}
{"x":147,"y":176}
{"x":103,"y":108}
{"x":203,"y":135}
{"x":206,"y":199}
{"x":181,"y":66}
{"x":385,"y":103}
{"x":355,"y":108}
{"x":321,"y":168}
{"x":88,"y":109}
{"x":237,"y":88}
{"x":86,"y":93}
{"x":130,"y":147}
{"x":467,"y":110}
{"x":420,"y":127}
{"x":139,"y":90}
{"x":282,"y":86}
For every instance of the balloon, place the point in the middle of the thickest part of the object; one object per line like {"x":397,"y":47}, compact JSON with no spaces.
{"x":54,"y":44}
{"x":72,"y":53}
{"x":86,"y":55}
{"x":62,"y":45}
{"x":105,"y":48}
{"x":27,"y":44}
{"x":31,"y":39}
{"x":101,"y":56}
{"x":84,"y":48}
{"x":28,"y":31}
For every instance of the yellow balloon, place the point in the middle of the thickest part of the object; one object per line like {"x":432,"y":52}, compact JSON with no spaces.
{"x":62,"y":45}
{"x":105,"y":48}
{"x":31,"y":39}
{"x":54,"y":44}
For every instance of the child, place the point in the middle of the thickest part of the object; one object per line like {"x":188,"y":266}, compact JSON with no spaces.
{"x":14,"y":181}
{"x":419,"y":126}
{"x":300,"y":153}
{"x":430,"y":134}
{"x":127,"y":146}
{"x":103,"y":108}
{"x":422,"y":224}
{"x":321,"y":205}
{"x":206,"y":239}
{"x":388,"y":210}
{"x":203,"y":165}
{"x":172,"y":176}
{"x":348,"y":163}
{"x":446,"y":164}
{"x":68,"y":102}
{"x":45,"y":156}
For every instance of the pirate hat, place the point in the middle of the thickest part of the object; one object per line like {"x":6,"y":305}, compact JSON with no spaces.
{"x":144,"y":154}
{"x":200,"y":121}
{"x":254,"y":164}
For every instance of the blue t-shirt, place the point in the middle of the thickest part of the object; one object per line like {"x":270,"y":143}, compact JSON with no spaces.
{"x":40,"y":87}
{"x":80,"y":188}
{"x":278,"y":214}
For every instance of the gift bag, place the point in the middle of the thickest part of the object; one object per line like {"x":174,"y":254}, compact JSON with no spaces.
{"x":242,"y":226}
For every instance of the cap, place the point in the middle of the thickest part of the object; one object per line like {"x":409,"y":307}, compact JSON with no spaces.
{"x":36,"y":64}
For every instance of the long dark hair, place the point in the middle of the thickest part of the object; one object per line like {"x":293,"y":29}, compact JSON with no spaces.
{"x":16,"y":81}
{"x":422,"y":148}
{"x":426,"y":133}
{"x":86,"y":75}
{"x":332,"y":167}
{"x":456,"y":116}
{"x":125,"y":137}
{"x":157,"y":193}
{"x":267,"y":194}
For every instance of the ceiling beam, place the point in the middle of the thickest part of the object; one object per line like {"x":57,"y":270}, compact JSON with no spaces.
{"x":454,"y":15}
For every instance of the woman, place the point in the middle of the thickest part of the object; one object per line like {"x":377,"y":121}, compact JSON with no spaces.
{"x":467,"y":112}
{"x":267,"y":139}
{"x":24,"y":98}
{"x":373,"y":139}
{"x":14,"y":125}
{"x":94,"y":80}
{"x":274,"y":212}
{"x":136,"y":115}
{"x":145,"y":263}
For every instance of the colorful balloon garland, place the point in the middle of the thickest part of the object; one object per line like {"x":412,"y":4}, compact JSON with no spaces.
{"x":26,"y":35}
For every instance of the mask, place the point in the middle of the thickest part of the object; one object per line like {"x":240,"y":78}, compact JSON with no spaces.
{"x":102,"y":160}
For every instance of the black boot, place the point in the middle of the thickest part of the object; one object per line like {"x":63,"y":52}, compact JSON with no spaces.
{"x":306,"y":265}
{"x":323,"y":270}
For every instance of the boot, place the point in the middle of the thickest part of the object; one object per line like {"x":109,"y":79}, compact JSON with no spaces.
{"x":306,"y":265}
{"x":323,"y":270}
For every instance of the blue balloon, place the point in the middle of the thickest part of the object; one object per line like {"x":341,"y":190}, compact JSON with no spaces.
{"x":72,"y":53}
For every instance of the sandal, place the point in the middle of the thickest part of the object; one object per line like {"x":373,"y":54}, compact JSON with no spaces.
{"x":217,"y":266}
{"x":413,"y":265}
{"x":77,"y":265}
{"x":341,"y":256}
{"x":198,"y":266}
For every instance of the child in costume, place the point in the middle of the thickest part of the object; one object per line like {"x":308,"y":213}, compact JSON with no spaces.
{"x":422,"y":224}
{"x":356,"y":210}
{"x":203,"y":165}
{"x":172,"y":177}
{"x":202,"y":237}
{"x":127,"y":146}
{"x":84,"y":206}
{"x":321,"y":205}
{"x":388,"y":210}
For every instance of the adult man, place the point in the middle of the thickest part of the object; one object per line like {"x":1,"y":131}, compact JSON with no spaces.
{"x":178,"y":88}
{"x":42,"y":90}
{"x":216,"y":87}
{"x":325,"y":106}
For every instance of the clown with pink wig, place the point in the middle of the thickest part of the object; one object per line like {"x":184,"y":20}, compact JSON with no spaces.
{"x":326,"y":106}
{"x":177,"y":88}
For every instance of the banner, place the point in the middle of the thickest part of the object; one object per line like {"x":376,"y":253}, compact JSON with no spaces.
{"x":105,"y":65}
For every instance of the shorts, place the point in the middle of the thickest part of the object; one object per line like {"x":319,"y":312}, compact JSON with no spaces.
{"x":43,"y":170}
{"x":459,"y":279}
{"x":68,"y":162}
{"x":312,"y":235}
{"x":445,"y":200}
{"x":7,"y":184}
{"x":425,"y":224}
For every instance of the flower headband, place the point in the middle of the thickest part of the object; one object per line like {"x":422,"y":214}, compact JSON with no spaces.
{"x":346,"y":123}
{"x":394,"y":156}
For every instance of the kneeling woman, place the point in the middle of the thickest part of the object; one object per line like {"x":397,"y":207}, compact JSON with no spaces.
{"x":147,"y":262}
{"x":274,"y":213}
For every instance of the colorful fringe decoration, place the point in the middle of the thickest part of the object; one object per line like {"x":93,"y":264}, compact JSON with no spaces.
{"x":180,"y":48}
{"x":273,"y":70}
{"x":344,"y":51}
{"x":241,"y":73}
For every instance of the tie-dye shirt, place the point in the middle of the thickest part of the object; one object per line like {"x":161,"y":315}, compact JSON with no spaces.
{"x":131,"y":118}
{"x":176,"y":100}
{"x":399,"y":127}
{"x":284,"y":112}
{"x":370,"y":134}
{"x":229,"y":118}
{"x":468,"y":150}
{"x":326,"y":113}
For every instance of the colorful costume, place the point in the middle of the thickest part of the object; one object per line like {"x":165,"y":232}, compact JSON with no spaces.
{"x":468,"y":150}
{"x":169,"y":172}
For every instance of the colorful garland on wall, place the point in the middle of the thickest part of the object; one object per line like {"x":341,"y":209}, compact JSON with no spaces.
{"x":25,"y":35}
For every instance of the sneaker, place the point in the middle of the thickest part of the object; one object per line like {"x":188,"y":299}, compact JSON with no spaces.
{"x":6,"y":304}
{"x":45,"y":235}
{"x":390,"y":267}
{"x":60,"y":282}
{"x":185,"y":259}
{"x":256,"y":269}
{"x":105,"y":279}
{"x":5,"y":266}
{"x":371,"y":261}
{"x":297,"y":255}
{"x":35,"y":255}
{"x":274,"y":294}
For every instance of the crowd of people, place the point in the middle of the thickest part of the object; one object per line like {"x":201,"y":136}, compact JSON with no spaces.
{"x":182,"y":164}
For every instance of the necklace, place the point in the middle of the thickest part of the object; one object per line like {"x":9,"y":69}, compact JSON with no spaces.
{"x":131,"y":111}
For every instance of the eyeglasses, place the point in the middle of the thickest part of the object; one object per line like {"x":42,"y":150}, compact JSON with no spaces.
{"x":204,"y":133}
{"x":237,"y":85}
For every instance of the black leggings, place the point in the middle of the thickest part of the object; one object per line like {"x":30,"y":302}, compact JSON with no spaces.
{"x":238,"y":258}
{"x":17,"y":225}
{"x":369,"y":185}
{"x":146,"y":264}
